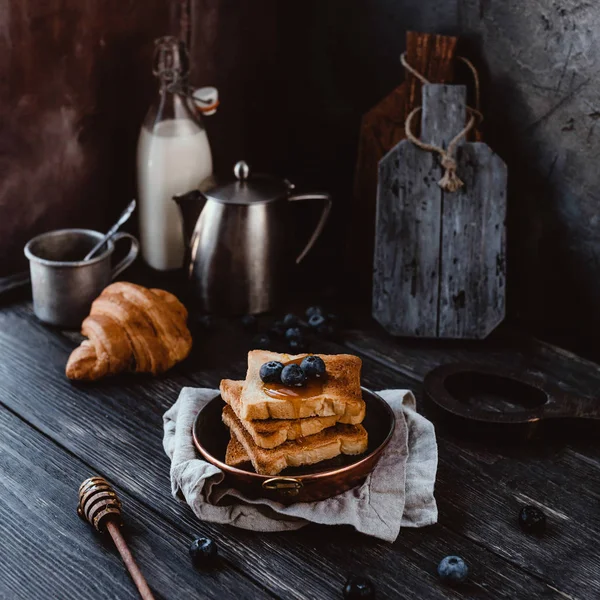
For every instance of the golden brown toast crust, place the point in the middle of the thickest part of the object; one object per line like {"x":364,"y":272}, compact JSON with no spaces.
{"x":341,"y":394}
{"x":269,"y":433}
{"x":340,"y":439}
{"x":235,"y":455}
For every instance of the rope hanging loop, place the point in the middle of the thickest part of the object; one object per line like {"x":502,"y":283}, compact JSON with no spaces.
{"x":450,"y":181}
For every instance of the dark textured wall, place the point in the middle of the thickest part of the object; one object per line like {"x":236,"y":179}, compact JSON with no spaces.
{"x":234,"y":47}
{"x":342,"y":58}
{"x":295,"y":78}
{"x":541,"y":61}
{"x":75,"y":83}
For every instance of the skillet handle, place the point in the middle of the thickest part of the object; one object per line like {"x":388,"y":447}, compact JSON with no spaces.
{"x":288,"y":486}
{"x":561,"y":405}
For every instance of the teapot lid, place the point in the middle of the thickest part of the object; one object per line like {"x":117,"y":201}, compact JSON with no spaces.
{"x":249,"y":189}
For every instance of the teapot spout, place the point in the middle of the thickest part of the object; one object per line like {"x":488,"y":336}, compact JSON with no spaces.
{"x":191,"y":205}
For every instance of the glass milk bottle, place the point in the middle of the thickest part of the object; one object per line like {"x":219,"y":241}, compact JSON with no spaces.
{"x":173,"y":155}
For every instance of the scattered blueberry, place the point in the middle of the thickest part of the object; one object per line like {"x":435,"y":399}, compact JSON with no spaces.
{"x":358,"y":588}
{"x":291,"y":320}
{"x":250,"y":322}
{"x":532,"y":520}
{"x":316,"y":320}
{"x":314,"y":366}
{"x":270,"y":372}
{"x":293,"y":375}
{"x":203,"y":551}
{"x":297,"y":345}
{"x":293,"y":333}
{"x":261,"y":341}
{"x":206,"y":321}
{"x":278,"y":328}
{"x":313,"y":310}
{"x":453,"y":569}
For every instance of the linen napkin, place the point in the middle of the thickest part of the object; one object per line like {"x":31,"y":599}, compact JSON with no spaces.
{"x":398,"y":492}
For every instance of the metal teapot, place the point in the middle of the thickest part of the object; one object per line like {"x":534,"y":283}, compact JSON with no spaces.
{"x":238,"y":235}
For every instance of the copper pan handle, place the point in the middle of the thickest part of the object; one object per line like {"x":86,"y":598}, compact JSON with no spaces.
{"x":288,"y":486}
{"x":326,"y":198}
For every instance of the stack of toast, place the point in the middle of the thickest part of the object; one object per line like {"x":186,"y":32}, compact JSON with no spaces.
{"x":273,"y":427}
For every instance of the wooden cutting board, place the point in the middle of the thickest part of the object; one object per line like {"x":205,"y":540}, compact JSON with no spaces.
{"x":439,"y":268}
{"x":381,"y":129}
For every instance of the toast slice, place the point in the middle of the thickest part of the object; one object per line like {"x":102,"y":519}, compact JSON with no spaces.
{"x":340,"y":394}
{"x":235,"y":455}
{"x":329,"y":443}
{"x":270,"y":433}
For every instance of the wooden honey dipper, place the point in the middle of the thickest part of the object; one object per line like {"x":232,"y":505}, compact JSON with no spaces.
{"x":101,"y":507}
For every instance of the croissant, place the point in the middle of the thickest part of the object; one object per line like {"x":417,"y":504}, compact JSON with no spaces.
{"x":131,"y":328}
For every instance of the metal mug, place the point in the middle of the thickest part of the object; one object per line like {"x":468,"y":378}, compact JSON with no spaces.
{"x":63,"y":285}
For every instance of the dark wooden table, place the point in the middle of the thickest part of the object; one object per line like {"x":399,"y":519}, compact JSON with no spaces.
{"x":54,"y":434}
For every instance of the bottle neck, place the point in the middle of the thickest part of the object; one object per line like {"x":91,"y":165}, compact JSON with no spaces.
{"x":171,"y":68}
{"x":174,"y":83}
{"x":172,"y":103}
{"x":171,"y":63}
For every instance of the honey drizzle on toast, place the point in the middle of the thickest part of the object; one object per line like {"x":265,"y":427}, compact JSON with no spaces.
{"x":313,"y":387}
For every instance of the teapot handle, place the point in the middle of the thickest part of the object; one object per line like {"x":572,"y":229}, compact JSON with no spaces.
{"x":326,"y":198}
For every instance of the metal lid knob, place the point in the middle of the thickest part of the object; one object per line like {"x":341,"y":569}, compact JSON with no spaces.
{"x":241,"y":170}
{"x":248,"y":188}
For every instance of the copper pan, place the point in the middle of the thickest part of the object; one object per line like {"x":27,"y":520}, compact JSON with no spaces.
{"x":306,"y":484}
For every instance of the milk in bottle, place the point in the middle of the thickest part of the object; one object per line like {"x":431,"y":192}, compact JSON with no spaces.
{"x":173,"y":157}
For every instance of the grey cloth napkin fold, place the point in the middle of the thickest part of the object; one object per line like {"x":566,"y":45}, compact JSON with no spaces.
{"x":398,"y":493}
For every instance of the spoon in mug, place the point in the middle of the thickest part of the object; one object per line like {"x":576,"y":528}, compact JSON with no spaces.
{"x":13,"y":282}
{"x":124,"y":217}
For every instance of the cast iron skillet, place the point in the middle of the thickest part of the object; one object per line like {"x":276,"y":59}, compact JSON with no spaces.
{"x":305,"y":484}
{"x":494,"y":398}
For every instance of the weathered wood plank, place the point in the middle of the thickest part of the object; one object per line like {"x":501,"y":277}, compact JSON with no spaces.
{"x":557,"y":367}
{"x":323,"y":560}
{"x":409,"y":219}
{"x":481,"y":487}
{"x":473,"y":266}
{"x":380,"y":130}
{"x":125,"y":444}
{"x":406,"y":244}
{"x":576,"y":459}
{"x":560,"y":458}
{"x":453,"y":283}
{"x":48,"y":552}
{"x":416,"y":358}
{"x":444,"y":114}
